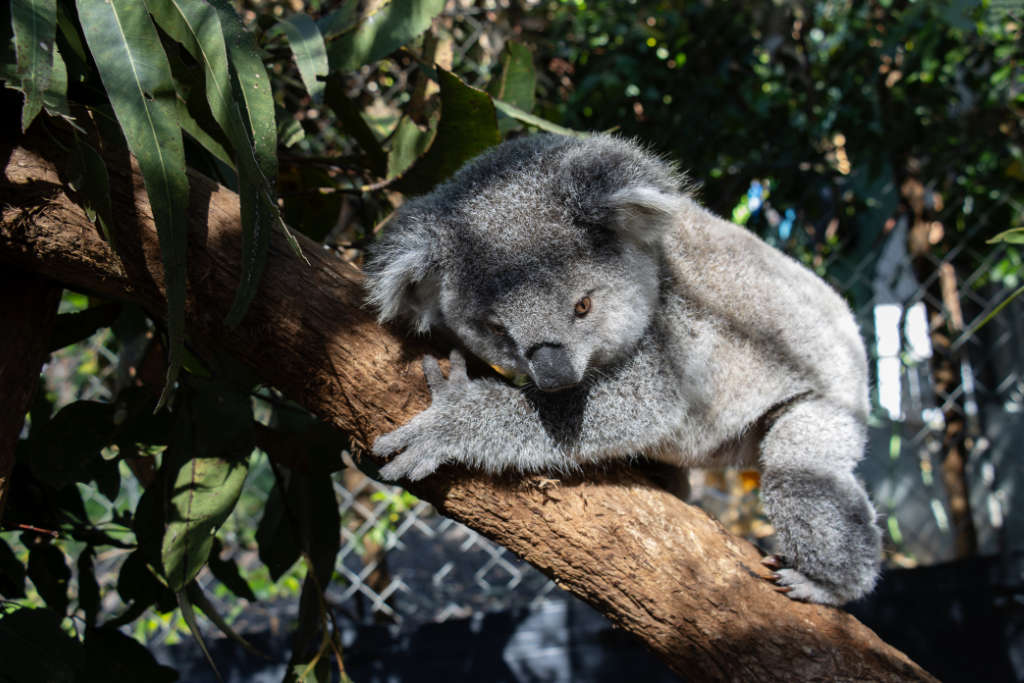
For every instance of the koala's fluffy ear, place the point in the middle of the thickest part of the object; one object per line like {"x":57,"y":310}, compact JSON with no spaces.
{"x":644,"y":214}
{"x":402,"y":280}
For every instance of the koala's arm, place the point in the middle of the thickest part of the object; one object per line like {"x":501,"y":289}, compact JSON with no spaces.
{"x":490,"y":425}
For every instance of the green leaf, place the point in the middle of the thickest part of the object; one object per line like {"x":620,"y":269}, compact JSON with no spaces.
{"x":468,"y":126}
{"x":138,"y":81}
{"x":289,"y":131}
{"x":253,"y":100}
{"x":1011,"y":236}
{"x":87,"y":175}
{"x":55,"y":99}
{"x":319,"y":522}
{"x":35,"y":649}
{"x":48,"y":569}
{"x":199,"y":599}
{"x":342,"y":20}
{"x":136,"y":583}
{"x":391,"y":28}
{"x":505,"y":109}
{"x":88,"y":588}
{"x":353,"y":124}
{"x":72,"y":438}
{"x":516,"y":81}
{"x":310,"y":52}
{"x":71,"y":328}
{"x":35,"y":26}
{"x":202,"y":28}
{"x":226,"y":571}
{"x":408,"y":144}
{"x":207,"y":474}
{"x":12,"y":573}
{"x":70,"y":33}
{"x":316,"y":450}
{"x":299,"y":669}
{"x":190,"y":619}
{"x":275,"y":536}
{"x":113,"y":657}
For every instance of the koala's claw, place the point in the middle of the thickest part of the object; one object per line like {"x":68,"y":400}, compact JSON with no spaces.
{"x":773,"y":562}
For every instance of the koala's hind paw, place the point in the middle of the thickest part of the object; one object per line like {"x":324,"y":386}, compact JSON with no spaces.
{"x":797,"y":586}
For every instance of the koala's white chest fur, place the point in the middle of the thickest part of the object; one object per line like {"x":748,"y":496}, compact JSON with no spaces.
{"x":647,"y":325}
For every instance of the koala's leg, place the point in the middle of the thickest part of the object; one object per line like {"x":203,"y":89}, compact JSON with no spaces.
{"x":828,"y":538}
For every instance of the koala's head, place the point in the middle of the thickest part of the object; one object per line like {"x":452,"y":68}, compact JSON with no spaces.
{"x":542,"y":255}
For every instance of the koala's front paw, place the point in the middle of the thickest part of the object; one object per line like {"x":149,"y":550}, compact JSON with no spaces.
{"x":425,"y":442}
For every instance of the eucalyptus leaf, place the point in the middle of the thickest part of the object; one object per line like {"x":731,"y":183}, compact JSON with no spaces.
{"x":207,"y":473}
{"x":87,"y":175}
{"x":113,"y":657}
{"x":516,"y":80}
{"x":137,"y":78}
{"x":88,"y":588}
{"x":408,"y":144}
{"x":72,"y":438}
{"x":505,"y":109}
{"x":189,"y":615}
{"x":35,"y":649}
{"x":383,"y":33}
{"x":468,"y":126}
{"x":353,"y":124}
{"x":1011,"y":236}
{"x":71,"y":328}
{"x":49,"y":572}
{"x":35,"y":27}
{"x":316,"y":450}
{"x":310,"y":52}
{"x":12,"y":573}
{"x":226,"y":571}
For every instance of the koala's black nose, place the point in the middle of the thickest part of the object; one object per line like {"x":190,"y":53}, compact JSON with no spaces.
{"x":551,"y":369}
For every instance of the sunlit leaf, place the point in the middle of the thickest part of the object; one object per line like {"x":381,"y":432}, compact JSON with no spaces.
{"x":35,"y":649}
{"x":35,"y":25}
{"x":1011,"y":236}
{"x":289,"y":130}
{"x":207,"y":472}
{"x":138,"y":82}
{"x":515,"y":81}
{"x":408,"y":144}
{"x":505,"y":109}
{"x":468,"y":126}
{"x":389,"y":29}
{"x":310,"y":52}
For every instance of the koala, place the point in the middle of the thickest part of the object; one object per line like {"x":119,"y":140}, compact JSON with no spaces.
{"x":643,"y":325}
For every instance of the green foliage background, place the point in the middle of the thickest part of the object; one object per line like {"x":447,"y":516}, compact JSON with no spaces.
{"x":802,"y":120}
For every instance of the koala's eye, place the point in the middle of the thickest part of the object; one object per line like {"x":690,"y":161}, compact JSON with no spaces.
{"x":583,"y":306}
{"x":498,"y":329}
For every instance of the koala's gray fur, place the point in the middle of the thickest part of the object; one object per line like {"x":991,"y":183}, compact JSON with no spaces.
{"x":703,"y":346}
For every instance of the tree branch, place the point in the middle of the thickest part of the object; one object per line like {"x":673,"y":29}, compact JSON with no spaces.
{"x":664,"y":571}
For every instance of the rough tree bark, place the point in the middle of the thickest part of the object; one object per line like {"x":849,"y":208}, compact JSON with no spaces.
{"x":662,"y":570}
{"x":28,"y":306}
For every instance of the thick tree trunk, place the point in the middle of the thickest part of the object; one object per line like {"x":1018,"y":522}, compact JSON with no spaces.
{"x":28,"y":306}
{"x":660,"y":569}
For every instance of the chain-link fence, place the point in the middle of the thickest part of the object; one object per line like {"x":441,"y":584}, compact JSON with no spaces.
{"x":943,"y":462}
